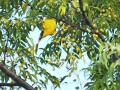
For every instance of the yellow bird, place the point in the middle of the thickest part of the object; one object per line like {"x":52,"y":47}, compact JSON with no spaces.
{"x":49,"y":26}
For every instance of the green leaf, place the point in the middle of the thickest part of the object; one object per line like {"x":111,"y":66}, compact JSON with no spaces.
{"x":118,"y":47}
{"x":7,"y":3}
{"x":1,"y":2}
{"x":107,"y":34}
{"x":24,"y":74}
{"x":43,"y":83}
{"x":32,"y":50}
{"x":14,"y":33}
{"x":105,"y":59}
{"x":6,"y":78}
{"x":77,"y":87}
{"x":30,"y":76}
{"x":31,"y":40}
{"x":3,"y":78}
{"x":24,"y":7}
{"x":36,"y":48}
{"x":63,"y":78}
{"x":62,"y":10}
{"x":111,"y":71}
{"x":75,"y":4}
{"x":85,"y":6}
{"x":19,"y":36}
{"x":96,"y":85}
{"x":89,"y":55}
{"x":0,"y":35}
{"x":118,"y":62}
{"x":88,"y":84}
{"x":35,"y":76}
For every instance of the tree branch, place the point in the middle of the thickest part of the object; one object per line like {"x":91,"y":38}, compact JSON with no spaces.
{"x":84,"y":16}
{"x":88,"y":22}
{"x":9,"y":84}
{"x":17,"y":79}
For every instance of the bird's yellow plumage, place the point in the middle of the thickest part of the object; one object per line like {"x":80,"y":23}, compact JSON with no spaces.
{"x":49,"y":26}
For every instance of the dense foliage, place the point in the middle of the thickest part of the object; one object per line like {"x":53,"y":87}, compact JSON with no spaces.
{"x":84,"y":26}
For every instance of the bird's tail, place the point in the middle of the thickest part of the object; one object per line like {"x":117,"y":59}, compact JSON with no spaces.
{"x":40,"y":37}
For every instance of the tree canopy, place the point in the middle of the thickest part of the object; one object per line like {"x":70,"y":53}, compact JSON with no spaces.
{"x":83,"y":26}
